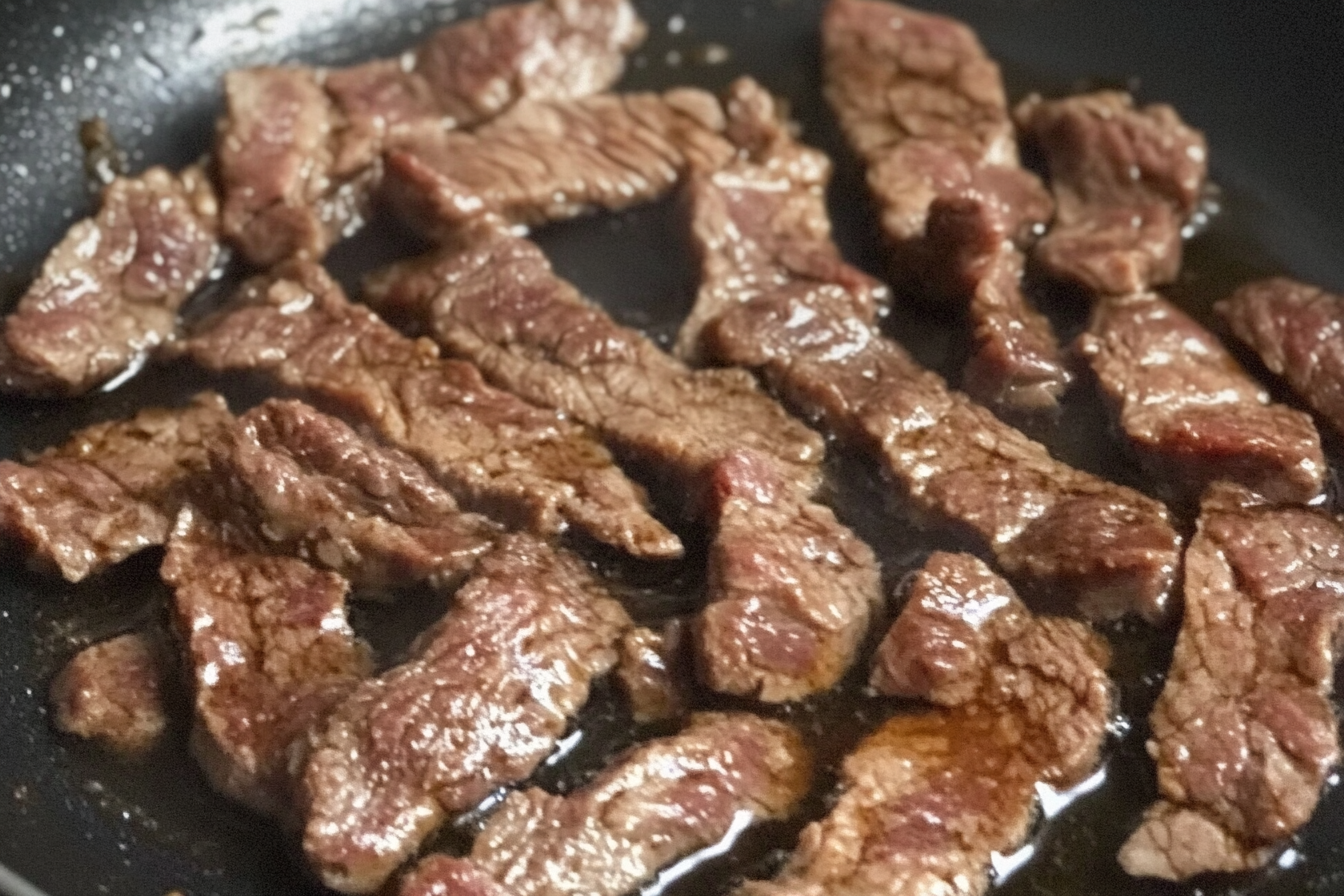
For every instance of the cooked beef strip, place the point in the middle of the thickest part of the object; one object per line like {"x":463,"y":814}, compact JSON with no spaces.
{"x":299,"y":148}
{"x":923,"y":107}
{"x":489,"y":691}
{"x":790,"y":589}
{"x":808,"y":328}
{"x":1055,"y":530}
{"x":660,"y":801}
{"x":783,"y":622}
{"x":286,"y":189}
{"x":269,"y":653}
{"x":1190,"y":411}
{"x":321,"y":492}
{"x":1015,"y":364}
{"x":110,"y":692}
{"x":653,"y":670}
{"x":550,"y":160}
{"x":109,"y":292}
{"x":493,"y":451}
{"x":1244,"y":733}
{"x":928,"y":798}
{"x":1125,"y":180}
{"x":495,"y":300}
{"x":964,"y":639}
{"x":760,"y":224}
{"x":1298,"y":331}
{"x":111,"y":490}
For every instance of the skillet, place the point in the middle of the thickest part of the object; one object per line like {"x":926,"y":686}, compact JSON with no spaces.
{"x":1264,"y":81}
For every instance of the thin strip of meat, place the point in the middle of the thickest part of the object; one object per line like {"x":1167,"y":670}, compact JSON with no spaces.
{"x":299,"y":148}
{"x":268,"y":649}
{"x":108,"y":293}
{"x":493,"y":451}
{"x":323,"y":493}
{"x":1298,"y":332}
{"x":1125,"y":180}
{"x":494,"y":299}
{"x":545,"y":161}
{"x":660,"y":801}
{"x":965,"y":640}
{"x":784,"y":618}
{"x":488,"y":693}
{"x":111,"y":692}
{"x":807,"y":326}
{"x":790,"y":589}
{"x":1244,"y":733}
{"x":1057,"y":531}
{"x":923,"y":107}
{"x":760,"y":224}
{"x":1193,"y":415}
{"x":928,"y":798}
{"x":110,"y":491}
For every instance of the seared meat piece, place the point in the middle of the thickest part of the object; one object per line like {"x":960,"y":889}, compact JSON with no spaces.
{"x":269,"y":652}
{"x":1054,"y":529}
{"x":652,"y":670}
{"x":1298,"y":331}
{"x":964,"y":639}
{"x":1190,"y":411}
{"x":108,"y":293}
{"x":544,"y":161}
{"x":923,"y":107}
{"x":498,"y":302}
{"x":806,"y":322}
{"x":285,"y":186}
{"x":660,"y":801}
{"x":489,"y":691}
{"x":110,"y":692}
{"x":760,"y":224}
{"x":928,"y":798}
{"x":495,"y":452}
{"x":790,"y":589}
{"x":1015,"y":364}
{"x":1125,"y":180}
{"x":318,"y":490}
{"x":551,"y":49}
{"x":1244,"y":733}
{"x":299,"y":148}
{"x":113,"y":489}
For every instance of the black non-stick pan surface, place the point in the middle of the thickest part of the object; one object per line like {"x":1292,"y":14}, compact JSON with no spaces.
{"x":1263,"y":80}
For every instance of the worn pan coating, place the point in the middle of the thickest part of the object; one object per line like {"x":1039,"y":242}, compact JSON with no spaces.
{"x":1264,"y":81}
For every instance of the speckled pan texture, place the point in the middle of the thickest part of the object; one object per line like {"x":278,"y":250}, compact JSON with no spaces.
{"x":1265,"y":81}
